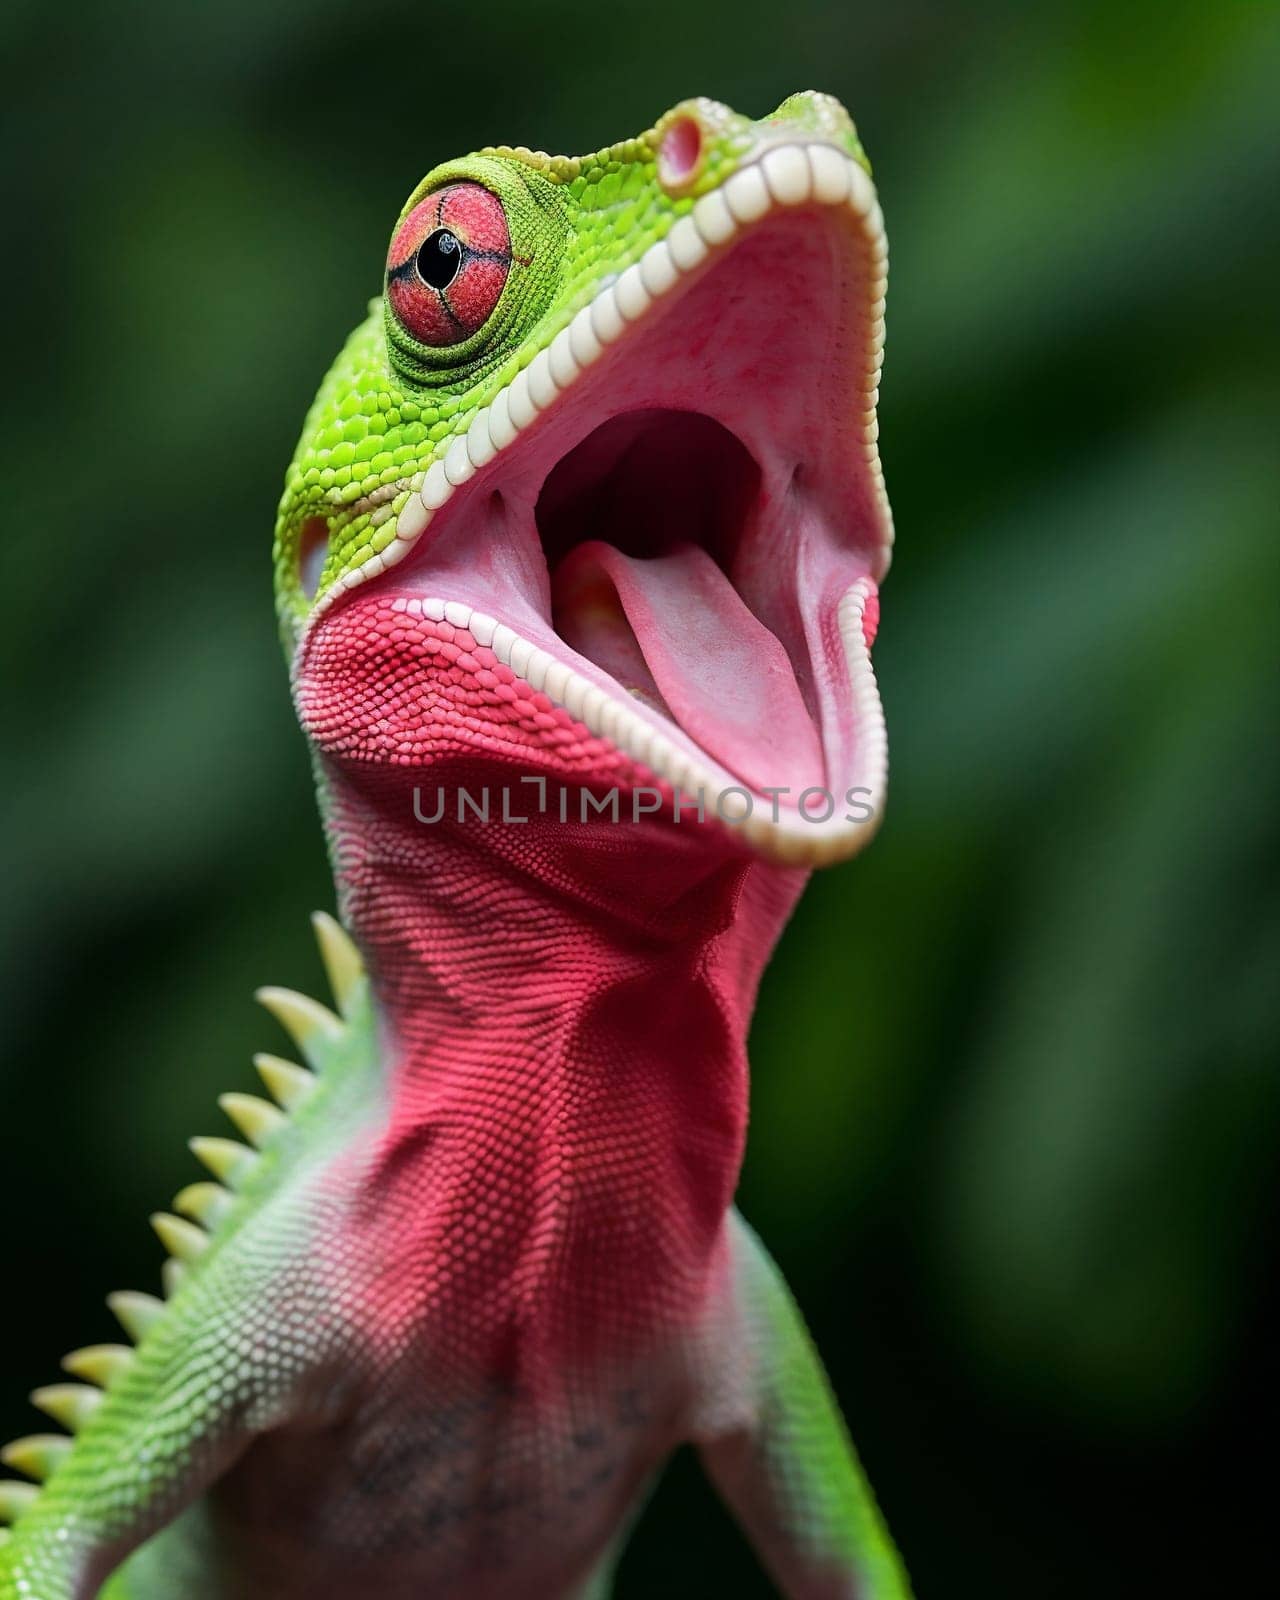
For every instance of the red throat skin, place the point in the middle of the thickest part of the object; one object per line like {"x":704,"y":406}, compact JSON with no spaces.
{"x":564,"y":1009}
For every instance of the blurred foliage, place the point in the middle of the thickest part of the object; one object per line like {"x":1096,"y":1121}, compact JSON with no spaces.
{"x":1015,"y":1110}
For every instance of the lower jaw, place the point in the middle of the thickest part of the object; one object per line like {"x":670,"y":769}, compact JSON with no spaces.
{"x":796,"y":778}
{"x":804,"y":823}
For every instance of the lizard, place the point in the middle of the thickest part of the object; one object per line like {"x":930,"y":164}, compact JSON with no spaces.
{"x":577,"y":569}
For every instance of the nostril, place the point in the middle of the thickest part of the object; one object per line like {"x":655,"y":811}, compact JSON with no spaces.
{"x":680,"y":152}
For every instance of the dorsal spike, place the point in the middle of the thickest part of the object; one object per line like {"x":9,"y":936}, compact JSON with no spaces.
{"x":37,"y":1455}
{"x":180,"y":1238}
{"x":71,"y":1404}
{"x":135,"y":1312}
{"x":171,"y":1276}
{"x":227,"y":1159}
{"x":288,"y":1083}
{"x":256,"y":1119}
{"x":312,"y":1027}
{"x":99,"y":1363}
{"x":342,"y":961}
{"x":205,"y":1203}
{"x":15,"y":1498}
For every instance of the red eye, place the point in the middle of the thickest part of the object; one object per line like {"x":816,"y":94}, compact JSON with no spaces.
{"x":448,"y":262}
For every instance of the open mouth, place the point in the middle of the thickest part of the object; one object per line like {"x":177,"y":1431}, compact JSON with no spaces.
{"x":646,"y":525}
{"x":673,"y":521}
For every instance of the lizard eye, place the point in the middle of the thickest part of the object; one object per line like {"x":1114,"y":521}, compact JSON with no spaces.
{"x":448,"y":264}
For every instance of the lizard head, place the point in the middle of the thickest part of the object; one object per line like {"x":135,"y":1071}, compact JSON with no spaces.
{"x":594,"y":492}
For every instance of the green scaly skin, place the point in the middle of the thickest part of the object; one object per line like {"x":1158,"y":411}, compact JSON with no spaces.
{"x":261,"y":1340}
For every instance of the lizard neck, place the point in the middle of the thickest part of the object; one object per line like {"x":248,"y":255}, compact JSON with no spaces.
{"x":564,"y":1012}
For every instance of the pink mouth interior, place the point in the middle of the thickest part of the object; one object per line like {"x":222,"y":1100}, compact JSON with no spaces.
{"x":648,"y":600}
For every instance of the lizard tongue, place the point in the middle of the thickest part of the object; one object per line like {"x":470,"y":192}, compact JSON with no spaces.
{"x":673,"y":630}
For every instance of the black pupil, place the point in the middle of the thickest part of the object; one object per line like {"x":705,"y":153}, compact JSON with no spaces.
{"x":439,"y":258}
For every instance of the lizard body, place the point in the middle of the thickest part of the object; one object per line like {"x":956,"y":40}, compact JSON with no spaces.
{"x":587,"y":515}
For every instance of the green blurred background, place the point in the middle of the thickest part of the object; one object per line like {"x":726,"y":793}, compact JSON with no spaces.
{"x":1015,"y":1106}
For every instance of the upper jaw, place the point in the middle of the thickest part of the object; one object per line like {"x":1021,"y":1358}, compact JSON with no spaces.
{"x":762,"y":310}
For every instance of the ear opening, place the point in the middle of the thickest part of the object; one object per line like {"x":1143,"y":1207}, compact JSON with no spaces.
{"x":313,"y":552}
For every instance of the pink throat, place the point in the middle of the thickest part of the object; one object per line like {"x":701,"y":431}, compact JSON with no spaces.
{"x":557,"y":1069}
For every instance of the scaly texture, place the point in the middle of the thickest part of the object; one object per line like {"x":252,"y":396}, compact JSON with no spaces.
{"x":576,"y":570}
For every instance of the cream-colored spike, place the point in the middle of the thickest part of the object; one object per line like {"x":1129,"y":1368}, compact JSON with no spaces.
{"x":171,"y":1276}
{"x":256,"y":1119}
{"x":181,"y":1239}
{"x":311,"y":1026}
{"x":342,"y":963}
{"x":15,"y":1498}
{"x":205,"y":1203}
{"x":289,"y":1083}
{"x":37,"y":1455}
{"x":99,"y":1363}
{"x":135,"y":1312}
{"x":71,"y":1404}
{"x":227,"y":1159}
